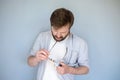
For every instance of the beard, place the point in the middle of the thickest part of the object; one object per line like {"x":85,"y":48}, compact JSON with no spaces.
{"x":61,"y":38}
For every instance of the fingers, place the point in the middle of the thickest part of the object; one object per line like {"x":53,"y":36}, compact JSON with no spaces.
{"x":42,"y":54}
{"x":62,"y":68}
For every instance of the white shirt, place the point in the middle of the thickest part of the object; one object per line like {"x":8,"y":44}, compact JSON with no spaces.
{"x":57,"y":52}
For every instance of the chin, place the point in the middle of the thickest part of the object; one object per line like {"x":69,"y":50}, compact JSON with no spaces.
{"x":58,"y":40}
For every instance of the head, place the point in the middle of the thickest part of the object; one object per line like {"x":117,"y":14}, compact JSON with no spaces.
{"x":61,"y":23}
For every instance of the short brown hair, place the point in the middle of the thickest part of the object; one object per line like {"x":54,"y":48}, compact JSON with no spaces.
{"x":61,"y":17}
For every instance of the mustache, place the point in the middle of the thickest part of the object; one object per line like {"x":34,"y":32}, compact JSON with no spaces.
{"x":58,"y":37}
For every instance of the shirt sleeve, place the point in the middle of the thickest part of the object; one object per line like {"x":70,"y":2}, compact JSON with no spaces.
{"x":83,"y":55}
{"x":36,"y":45}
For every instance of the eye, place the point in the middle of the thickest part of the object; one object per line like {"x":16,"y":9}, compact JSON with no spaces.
{"x":63,"y":32}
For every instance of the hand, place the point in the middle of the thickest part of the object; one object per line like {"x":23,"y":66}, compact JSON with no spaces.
{"x":63,"y":68}
{"x":42,"y":55}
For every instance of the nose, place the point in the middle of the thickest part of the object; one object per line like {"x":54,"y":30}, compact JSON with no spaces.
{"x":58,"y":34}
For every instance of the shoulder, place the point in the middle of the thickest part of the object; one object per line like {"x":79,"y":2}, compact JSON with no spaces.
{"x":78,"y":41}
{"x":44,"y":34}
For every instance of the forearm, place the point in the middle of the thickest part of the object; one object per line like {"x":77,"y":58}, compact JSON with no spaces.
{"x":32,"y":60}
{"x":79,"y":70}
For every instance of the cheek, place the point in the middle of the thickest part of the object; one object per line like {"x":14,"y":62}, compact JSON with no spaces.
{"x":64,"y":35}
{"x":54,"y":33}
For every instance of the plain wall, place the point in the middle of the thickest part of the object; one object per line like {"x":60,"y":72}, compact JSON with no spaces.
{"x":96,"y":21}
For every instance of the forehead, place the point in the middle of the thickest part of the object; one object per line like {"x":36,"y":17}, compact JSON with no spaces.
{"x":62,"y":28}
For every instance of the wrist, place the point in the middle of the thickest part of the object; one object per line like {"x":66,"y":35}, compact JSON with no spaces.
{"x":71,"y":70}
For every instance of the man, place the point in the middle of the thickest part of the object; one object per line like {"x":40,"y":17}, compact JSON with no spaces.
{"x":59,"y":54}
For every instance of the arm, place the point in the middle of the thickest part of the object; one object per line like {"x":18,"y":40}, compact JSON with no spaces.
{"x":65,"y":69}
{"x":80,"y":70}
